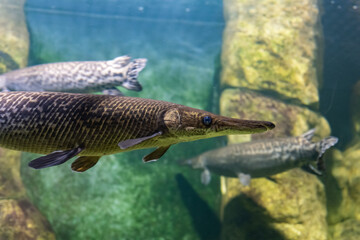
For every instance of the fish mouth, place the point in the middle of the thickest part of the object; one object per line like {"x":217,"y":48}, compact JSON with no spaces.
{"x":238,"y":126}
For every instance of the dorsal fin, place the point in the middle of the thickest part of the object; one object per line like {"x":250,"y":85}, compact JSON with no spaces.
{"x":122,"y":60}
{"x":309,"y":134}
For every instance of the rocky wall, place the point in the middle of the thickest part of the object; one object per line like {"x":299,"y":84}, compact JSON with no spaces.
{"x":19,"y":218}
{"x":270,"y":71}
{"x":343,"y":184}
{"x":273,"y":46}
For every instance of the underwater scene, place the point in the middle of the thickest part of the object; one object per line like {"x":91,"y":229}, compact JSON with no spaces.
{"x":180,"y":119}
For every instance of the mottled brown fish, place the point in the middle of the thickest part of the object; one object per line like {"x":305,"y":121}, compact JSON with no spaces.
{"x":64,"y":125}
{"x":77,"y":77}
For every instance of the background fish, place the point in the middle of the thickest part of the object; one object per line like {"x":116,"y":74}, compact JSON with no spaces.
{"x":81,"y":77}
{"x":91,"y":126}
{"x":263,"y":158}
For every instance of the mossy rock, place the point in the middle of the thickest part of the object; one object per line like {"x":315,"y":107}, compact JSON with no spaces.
{"x":14,"y":42}
{"x":19,"y":218}
{"x":343,"y":193}
{"x":291,"y":206}
{"x":349,"y":229}
{"x":11,"y":185}
{"x":284,"y":207}
{"x":273,"y":46}
{"x":7,"y":63}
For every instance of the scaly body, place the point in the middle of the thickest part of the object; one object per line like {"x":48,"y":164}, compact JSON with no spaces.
{"x":81,"y":77}
{"x":96,"y":125}
{"x":262,"y":158}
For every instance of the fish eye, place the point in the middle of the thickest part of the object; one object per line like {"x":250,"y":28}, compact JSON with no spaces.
{"x":207,"y":120}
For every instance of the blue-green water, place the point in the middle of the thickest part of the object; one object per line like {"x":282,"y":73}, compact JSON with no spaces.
{"x":123,"y":198}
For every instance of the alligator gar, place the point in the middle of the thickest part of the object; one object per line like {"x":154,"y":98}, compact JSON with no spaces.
{"x":77,"y":77}
{"x":63,"y":125}
{"x":263,"y":158}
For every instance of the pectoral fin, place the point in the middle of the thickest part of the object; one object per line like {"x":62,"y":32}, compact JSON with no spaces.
{"x":311,"y":169}
{"x":83,"y":163}
{"x":132,"y":142}
{"x":245,"y":179}
{"x":54,"y":158}
{"x":205,"y":177}
{"x":112,"y":91}
{"x":155,"y":155}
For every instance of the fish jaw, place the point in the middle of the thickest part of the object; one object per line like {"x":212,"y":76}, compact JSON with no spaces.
{"x":229,"y":126}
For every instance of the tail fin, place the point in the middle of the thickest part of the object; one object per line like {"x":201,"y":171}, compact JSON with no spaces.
{"x":324,"y":145}
{"x":134,"y":68}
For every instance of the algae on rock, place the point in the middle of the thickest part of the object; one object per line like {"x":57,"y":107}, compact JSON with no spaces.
{"x":19,"y":219}
{"x":287,"y":205}
{"x":292,"y":206}
{"x":14,"y":42}
{"x":343,"y":193}
{"x":273,"y":46}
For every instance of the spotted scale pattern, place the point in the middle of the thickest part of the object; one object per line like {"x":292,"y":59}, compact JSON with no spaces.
{"x":261,"y":158}
{"x":43,"y":122}
{"x":80,"y":77}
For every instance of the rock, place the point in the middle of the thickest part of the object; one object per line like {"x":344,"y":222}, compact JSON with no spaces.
{"x":347,"y":230}
{"x":14,"y":42}
{"x":11,"y":185}
{"x":290,"y":120}
{"x":19,"y":219}
{"x":283,"y":208}
{"x":343,"y":193}
{"x":279,"y":209}
{"x":273,"y":46}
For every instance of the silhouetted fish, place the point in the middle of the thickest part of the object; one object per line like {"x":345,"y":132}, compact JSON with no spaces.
{"x":263,"y":158}
{"x":91,"y":126}
{"x":81,"y":77}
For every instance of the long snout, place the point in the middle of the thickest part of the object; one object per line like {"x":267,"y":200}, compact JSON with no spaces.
{"x":238,"y":126}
